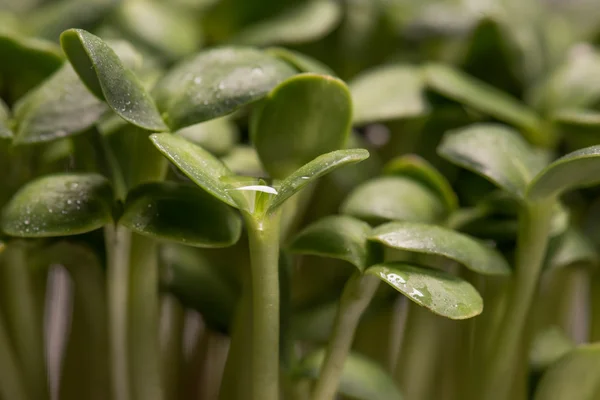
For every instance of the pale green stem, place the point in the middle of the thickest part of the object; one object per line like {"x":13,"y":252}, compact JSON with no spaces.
{"x":12,"y":384}
{"x":144,"y":319}
{"x":172,"y":324}
{"x":24,"y":320}
{"x":358,"y":293}
{"x":263,"y":237}
{"x":532,"y":241}
{"x":594,"y":307}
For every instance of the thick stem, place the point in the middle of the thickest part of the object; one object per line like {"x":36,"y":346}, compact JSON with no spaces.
{"x":263,"y":237}
{"x":357,"y":295}
{"x":532,"y":241}
{"x":172,"y":327}
{"x":144,"y":317}
{"x":118,"y":242}
{"x":23,"y":319}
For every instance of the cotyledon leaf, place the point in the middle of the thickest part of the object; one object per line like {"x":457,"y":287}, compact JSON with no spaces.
{"x":59,"y":205}
{"x":105,"y":76}
{"x":573,"y":376}
{"x":361,"y":379}
{"x":441,"y":292}
{"x":496,"y":152}
{"x":301,"y":62}
{"x":218,"y":135}
{"x":217,"y":82}
{"x":440,"y":241}
{"x":313,"y":170}
{"x":388,"y":93}
{"x":303,"y":117}
{"x":181,"y":213}
{"x":577,"y":169}
{"x":574,"y":248}
{"x":335,"y":236}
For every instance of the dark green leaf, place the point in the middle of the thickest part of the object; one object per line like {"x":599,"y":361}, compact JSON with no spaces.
{"x":301,"y":62}
{"x":315,"y":169}
{"x":362,"y":379}
{"x":336,"y":236}
{"x":5,"y":131}
{"x":487,"y":99}
{"x":59,"y":205}
{"x":419,"y":169}
{"x":198,"y":164}
{"x":573,"y":376}
{"x":388,"y":93}
{"x":577,"y":169}
{"x":548,"y":347}
{"x":217,"y":82}
{"x":393,"y":198}
{"x":439,"y":291}
{"x":217,"y":136}
{"x":302,"y":118}
{"x":495,"y":152}
{"x":440,"y":241}
{"x":307,"y":21}
{"x":105,"y":76}
{"x":181,"y":213}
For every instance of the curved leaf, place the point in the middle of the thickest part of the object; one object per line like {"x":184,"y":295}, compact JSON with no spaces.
{"x":487,"y":99}
{"x":548,"y":347}
{"x":388,"y":93}
{"x":574,"y":248}
{"x":336,"y":236}
{"x":217,"y":82}
{"x":442,"y":293}
{"x":5,"y":131}
{"x":181,"y":213}
{"x":393,"y":198}
{"x":217,"y":136}
{"x":573,"y":376}
{"x":198,"y":164}
{"x":308,"y":21}
{"x":577,"y":169}
{"x":302,"y":118}
{"x":59,"y":205}
{"x":436,"y":240}
{"x":315,"y":169}
{"x":301,"y":62}
{"x":105,"y":76}
{"x":418,"y":168}
{"x":361,"y":379}
{"x":495,"y":152}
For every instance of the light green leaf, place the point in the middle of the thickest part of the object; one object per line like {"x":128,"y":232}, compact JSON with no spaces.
{"x":388,"y":93}
{"x":181,"y":213}
{"x":444,"y":242}
{"x":487,"y":99}
{"x":243,"y":160}
{"x":336,"y":236}
{"x":302,"y":118}
{"x":574,"y":248}
{"x":217,"y":82}
{"x":413,"y":166}
{"x":59,"y":205}
{"x":217,"y":136}
{"x":442,"y":293}
{"x":301,"y":62}
{"x":198,"y":164}
{"x":548,"y":347}
{"x":5,"y":130}
{"x":315,"y":169}
{"x":393,"y":198}
{"x":580,"y":168}
{"x":306,"y":22}
{"x":105,"y":76}
{"x":495,"y":152}
{"x":573,"y":376}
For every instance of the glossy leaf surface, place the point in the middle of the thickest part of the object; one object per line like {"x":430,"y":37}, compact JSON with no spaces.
{"x":388,"y":93}
{"x":217,"y":136}
{"x":315,"y":169}
{"x":198,"y":164}
{"x":302,"y":118}
{"x":217,"y":82}
{"x":439,"y":291}
{"x":393,"y":198}
{"x":336,"y":236}
{"x":361,"y":379}
{"x":181,"y":213}
{"x":440,"y":241}
{"x":59,"y":205}
{"x":105,"y":76}
{"x":301,"y":62}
